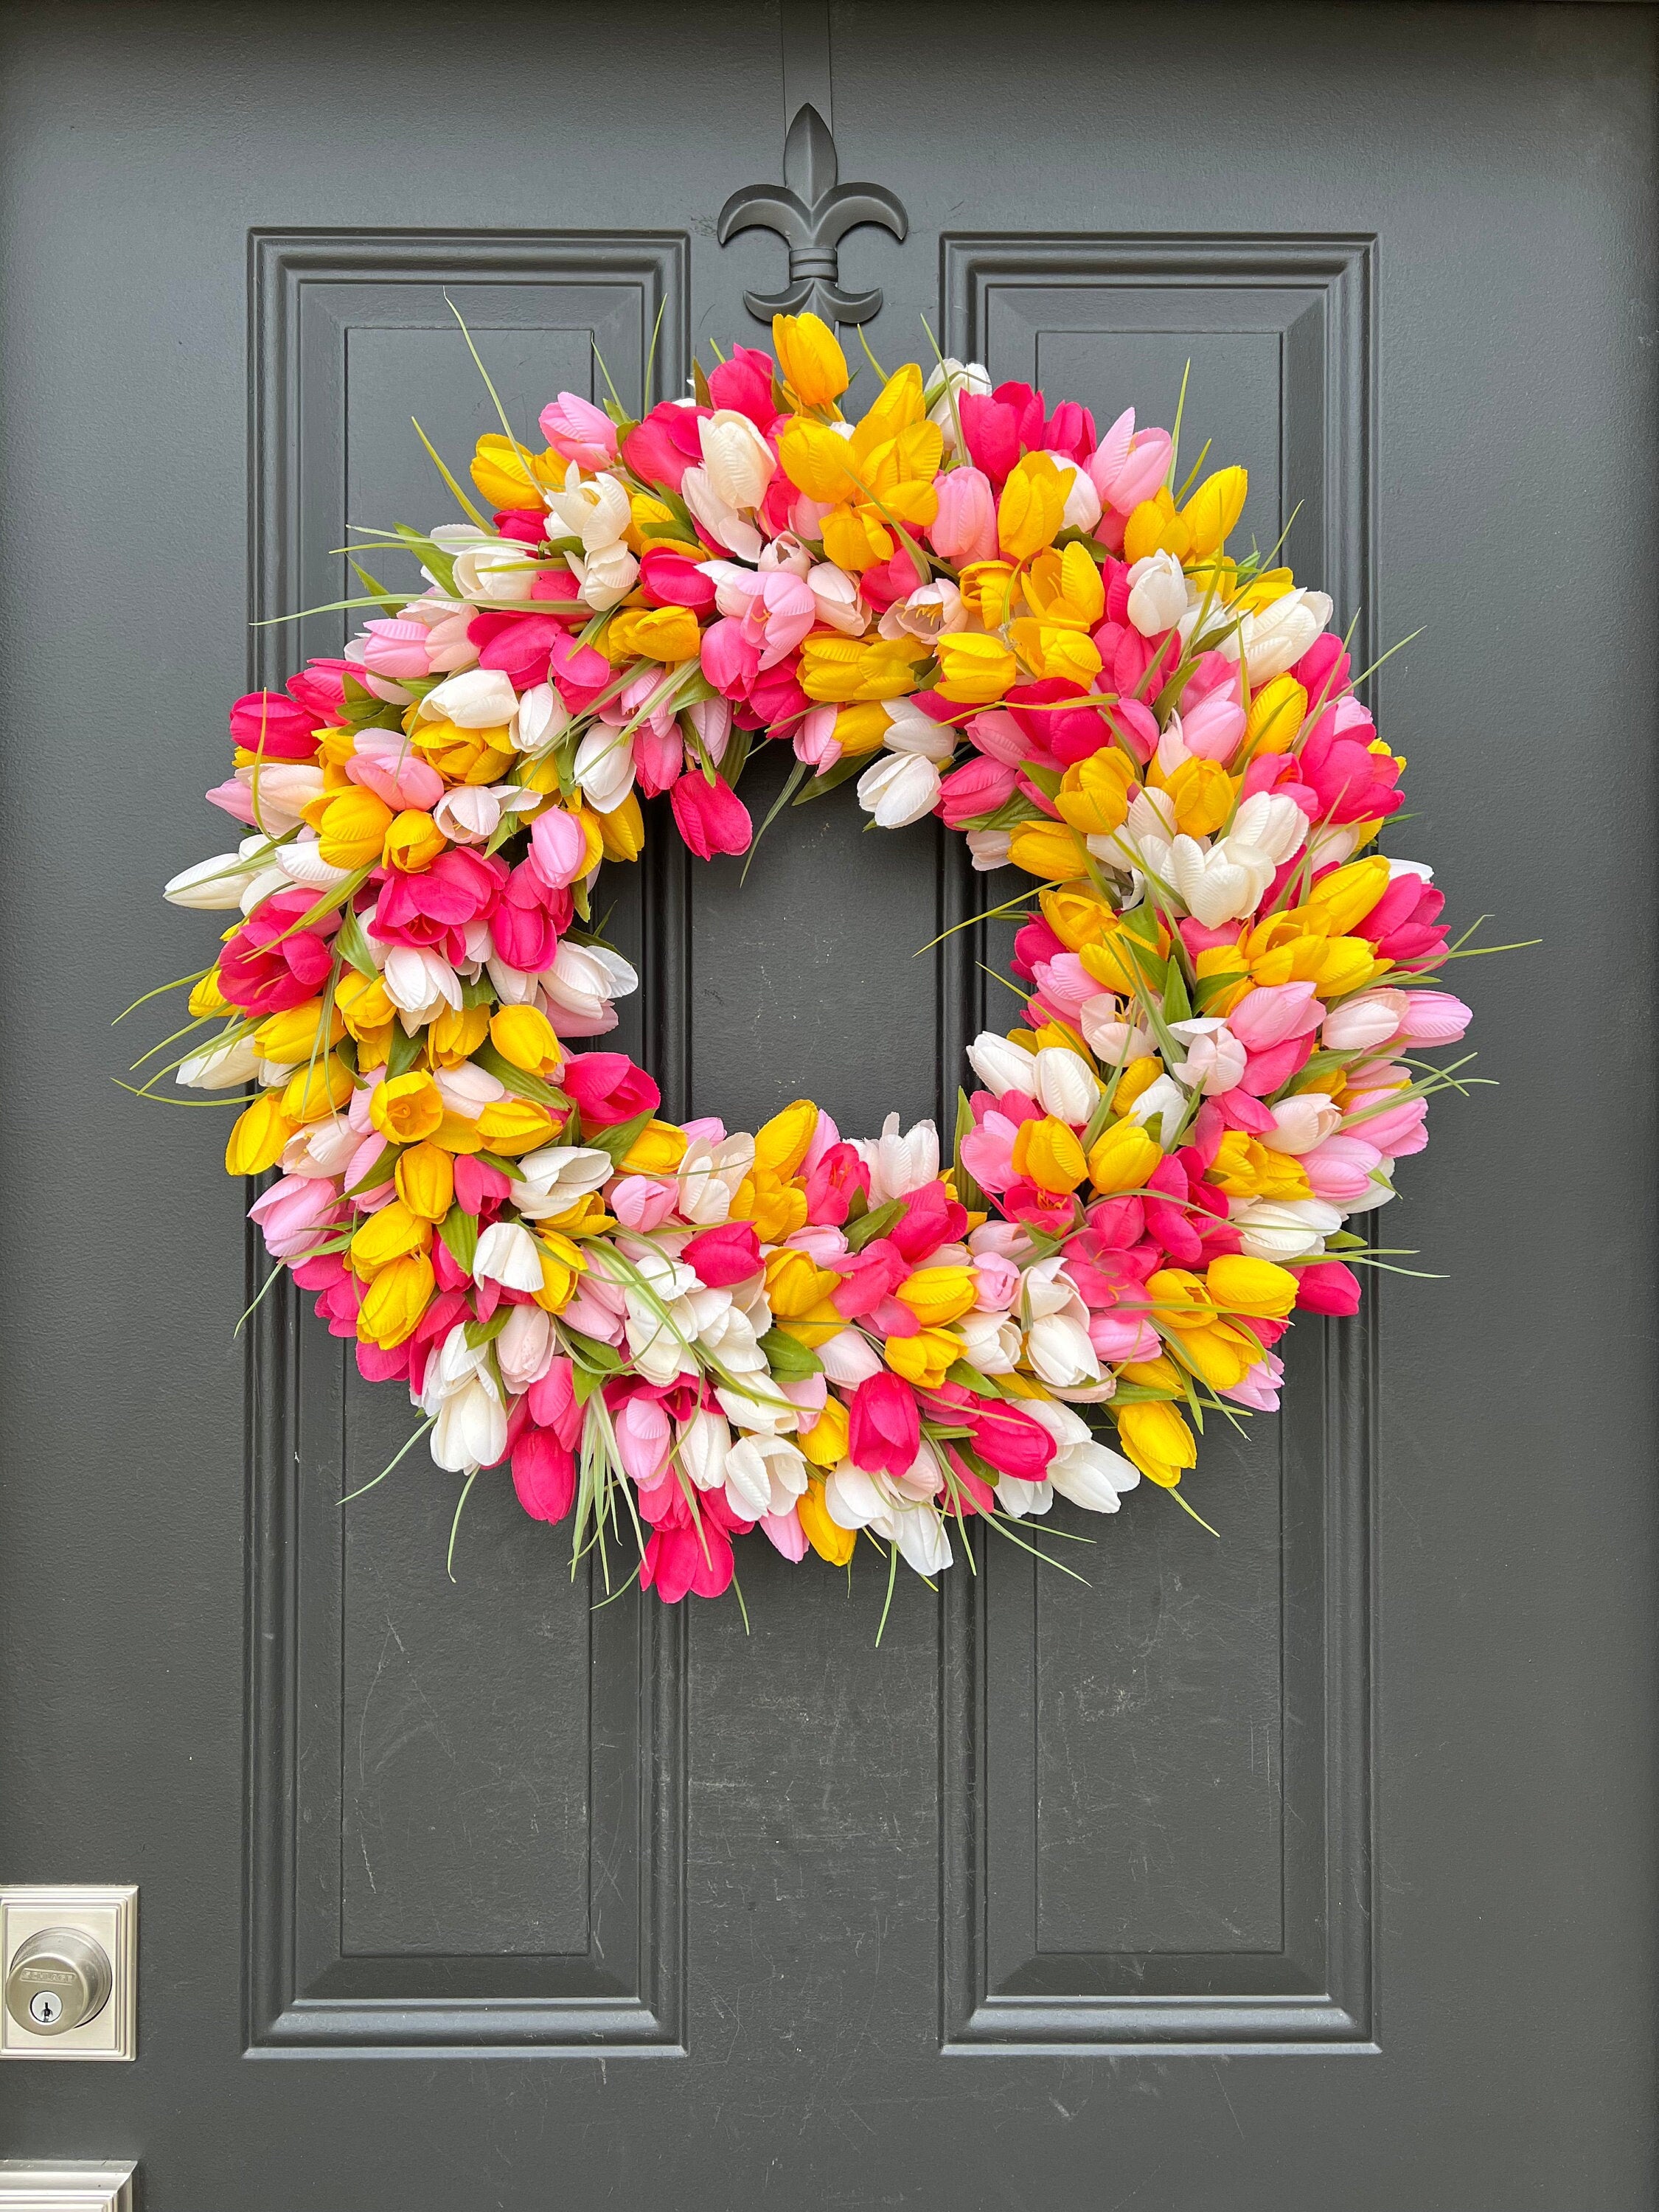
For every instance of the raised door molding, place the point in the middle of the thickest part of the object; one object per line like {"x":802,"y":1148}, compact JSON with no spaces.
{"x":1163,"y":1840}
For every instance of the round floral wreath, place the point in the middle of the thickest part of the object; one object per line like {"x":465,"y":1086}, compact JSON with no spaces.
{"x":673,"y":1334}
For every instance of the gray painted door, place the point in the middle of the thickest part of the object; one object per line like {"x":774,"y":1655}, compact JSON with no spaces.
{"x":1313,"y":1868}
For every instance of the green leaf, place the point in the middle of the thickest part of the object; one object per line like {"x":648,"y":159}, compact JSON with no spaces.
{"x":820,"y":784}
{"x":1142,"y":1393}
{"x":1046,"y":780}
{"x":789,"y":1359}
{"x":587,"y":1352}
{"x":967,"y":1189}
{"x":1176,"y":1005}
{"x":875,"y":1224}
{"x":1009,"y":815}
{"x":351,"y":943}
{"x":460,"y":1232}
{"x":619,"y":1141}
{"x":402,"y":1052}
{"x":485,"y":1332}
{"x":518,"y":1080}
{"x":984,"y":1386}
{"x":380,"y":1172}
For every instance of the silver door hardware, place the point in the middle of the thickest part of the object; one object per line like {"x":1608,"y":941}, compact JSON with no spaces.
{"x":36,"y":2184}
{"x":69,"y":1962}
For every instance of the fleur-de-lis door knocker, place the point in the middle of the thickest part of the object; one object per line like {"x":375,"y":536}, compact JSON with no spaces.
{"x":812,"y":212}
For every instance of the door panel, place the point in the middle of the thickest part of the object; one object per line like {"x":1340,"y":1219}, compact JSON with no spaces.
{"x":1303,"y":1868}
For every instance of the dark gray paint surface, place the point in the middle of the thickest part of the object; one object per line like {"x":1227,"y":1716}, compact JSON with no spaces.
{"x":1349,"y":1818}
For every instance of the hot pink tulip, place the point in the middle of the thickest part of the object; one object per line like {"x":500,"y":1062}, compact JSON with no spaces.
{"x":710,"y":816}
{"x":1328,"y":1287}
{"x":275,"y":727}
{"x":885,"y":1428}
{"x":720,"y":1257}
{"x":1012,"y":1442}
{"x":978,"y":786}
{"x":543,"y":1475}
{"x":579,"y":431}
{"x":608,"y":1089}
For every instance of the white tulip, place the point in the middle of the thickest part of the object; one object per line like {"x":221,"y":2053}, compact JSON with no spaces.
{"x":1017,"y":1499}
{"x":470,"y":1427}
{"x":1274,"y":639}
{"x":221,"y":1067}
{"x":604,"y":579}
{"x":1218,"y":885}
{"x":704,"y":1443}
{"x":990,"y":1341}
{"x":598,"y":511}
{"x":279,"y":792}
{"x":420,"y":983}
{"x":1091,"y":1476}
{"x":552,"y":1180}
{"x":911,"y":731}
{"x":899,"y":789}
{"x":542,"y":719}
{"x":1158,"y":594}
{"x":302,"y":863}
{"x":923,"y":1545}
{"x":214,"y":885}
{"x":1283,"y":1229}
{"x":1059,"y":1352}
{"x":988,"y":849}
{"x":951,"y":379}
{"x":764,"y":1474}
{"x":495,"y":572}
{"x":1215,"y":1058}
{"x":851,"y":1498}
{"x":1301,"y":1122}
{"x":603,"y":767}
{"x":468,"y":1088}
{"x":931,"y":612}
{"x":525,"y":1348}
{"x":899,"y":1164}
{"x":323,"y":1148}
{"x":1114,"y":1041}
{"x":737,"y":461}
{"x":1272,"y":824}
{"x":1359,"y":1023}
{"x":1082,"y":509}
{"x":476,"y":699}
{"x":999,"y":1065}
{"x":835,"y":598}
{"x":264,"y":886}
{"x":583,"y":981}
{"x":1162,"y":1102}
{"x":710,"y":1175}
{"x":849,"y":1359}
{"x":508,"y":1254}
{"x":1065,"y":1086}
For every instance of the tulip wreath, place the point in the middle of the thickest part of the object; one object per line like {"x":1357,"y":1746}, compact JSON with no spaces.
{"x":982,"y":610}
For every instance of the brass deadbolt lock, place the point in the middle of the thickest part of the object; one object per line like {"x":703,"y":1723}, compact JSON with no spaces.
{"x":59,"y":1979}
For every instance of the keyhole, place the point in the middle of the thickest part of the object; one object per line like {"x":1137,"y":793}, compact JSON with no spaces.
{"x":46,"y":2006}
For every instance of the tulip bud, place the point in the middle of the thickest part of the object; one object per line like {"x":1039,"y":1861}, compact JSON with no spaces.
{"x":395,"y":1301}
{"x":407,"y":1108}
{"x":319,"y":1090}
{"x":939,"y":1296}
{"x":1256,"y":1288}
{"x":352,"y":828}
{"x":291,"y":1036}
{"x":1157,"y":1440}
{"x":999,"y":1065}
{"x":426,"y":1181}
{"x":827,"y":1539}
{"x":1065,"y":1086}
{"x":1214,"y":508}
{"x":524,"y":1036}
{"x":413,"y":841}
{"x":811,"y":362}
{"x":1122,"y":1157}
{"x":1048,"y":1152}
{"x":211,"y":886}
{"x":965,"y":527}
{"x":1359,"y":1023}
{"x":257,"y":1141}
{"x":795,"y":1283}
{"x":704,"y":1445}
{"x":1031,"y":508}
{"x":1049,"y":850}
{"x":1434,"y":1018}
{"x":900,"y":788}
{"x":1276,"y":716}
{"x":1094,"y":792}
{"x":393,"y":1233}
{"x":1158,"y":594}
{"x":622,"y":831}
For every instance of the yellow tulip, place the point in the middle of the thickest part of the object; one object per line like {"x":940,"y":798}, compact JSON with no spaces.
{"x":352,"y":828}
{"x":827,"y":1537}
{"x":1157,"y":1440}
{"x":1065,"y":655}
{"x":1155,"y":527}
{"x":854,"y":539}
{"x":206,"y":997}
{"x":665,"y":633}
{"x":1082,"y":918}
{"x":622,"y":832}
{"x":1095,"y":794}
{"x":1243,"y":1168}
{"x":256,"y":1140}
{"x":406,"y":1107}
{"x":464,"y":756}
{"x":513,"y":1125}
{"x":811,"y":362}
{"x":425,"y":1176}
{"x":814,"y":460}
{"x":1139,"y":1075}
{"x":394,"y":1302}
{"x":322,"y":1087}
{"x":391,"y":1234}
{"x":987,"y":590}
{"x":413,"y":841}
{"x":362,"y":1004}
{"x":1063,"y":590}
{"x":835,"y":670}
{"x":1030,"y":507}
{"x":776,"y":1206}
{"x":562,"y":1268}
{"x":825,"y":1443}
{"x":1179,"y":1298}
{"x":524,"y":1036}
{"x":923,"y":1358}
{"x":455,"y":1035}
{"x":1048,"y":850}
{"x":1124,"y":1155}
{"x":1214,"y":508}
{"x":1219,"y":1355}
{"x":292,"y":1035}
{"x":795,"y":1283}
{"x":860,"y":729}
{"x":509,"y":475}
{"x":816,"y":1326}
{"x":1277,"y":713}
{"x":657,"y":1151}
{"x":1253,"y":1287}
{"x":939,"y":1295}
{"x":1345,"y":897}
{"x":780,"y":1144}
{"x":973,"y":670}
{"x":1048,"y":1151}
{"x":1202,"y":791}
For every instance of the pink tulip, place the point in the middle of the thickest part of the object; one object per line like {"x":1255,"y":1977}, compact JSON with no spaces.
{"x":978,"y":786}
{"x":720,"y":1257}
{"x":275,"y":727}
{"x":965,"y":527}
{"x":543,"y":1475}
{"x":1211,"y":729}
{"x":1340,"y":1169}
{"x":1273,"y":1013}
{"x":296,"y":1213}
{"x":644,"y":1435}
{"x":710,"y":816}
{"x":1358,"y":1024}
{"x":1012,"y":1442}
{"x":658,"y":757}
{"x":1259,"y":1390}
{"x":1434,"y":1018}
{"x":885,"y":1428}
{"x":816,"y":742}
{"x":1327,"y":1288}
{"x":996,"y":1282}
{"x":558,"y":849}
{"x":784,"y":1532}
{"x":642,"y":1202}
{"x":579,"y":431}
{"x":393,"y":647}
{"x":384,"y":763}
{"x":1398,"y":1130}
